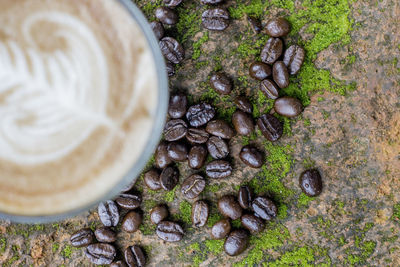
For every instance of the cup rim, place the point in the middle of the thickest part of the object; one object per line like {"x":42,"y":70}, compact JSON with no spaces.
{"x":132,"y":175}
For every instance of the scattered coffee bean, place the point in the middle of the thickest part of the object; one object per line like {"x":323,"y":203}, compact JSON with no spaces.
{"x":251,"y":157}
{"x":158,"y":29}
{"x":221,"y":83}
{"x":118,"y":264}
{"x":193,"y":186}
{"x":264,"y":208}
{"x":172,"y":50}
{"x":218,"y":169}
{"x":280,"y":74}
{"x":311,"y":182}
{"x":211,"y":2}
{"x":177,"y":106}
{"x":229,"y":207}
{"x":197,"y":135}
{"x":177,"y":151}
{"x":244,"y":104}
{"x":200,"y":213}
{"x":170,"y":69}
{"x":100,"y":253}
{"x":158,"y":213}
{"x":217,"y":147}
{"x":175,"y":130}
{"x":293,"y":58}
{"x":269,"y":88}
{"x":105,"y":235}
{"x":277,"y":27}
{"x":169,"y":178}
{"x":152,"y":179}
{"x":236,"y":242}
{"x":243,"y":122}
{"x":216,"y":19}
{"x":220,"y":128}
{"x":108,"y":213}
{"x":131,"y":222}
{"x":288,"y":106}
{"x":252,"y":223}
{"x":255,"y":24}
{"x":169,"y":231}
{"x":172,"y":3}
{"x":245,"y":197}
{"x":272,"y":50}
{"x":161,"y":159}
{"x":221,"y":229}
{"x":259,"y":70}
{"x":166,"y":15}
{"x":270,"y":127}
{"x":197,"y":157}
{"x":200,"y":114}
{"x":134,"y":256}
{"x":129,"y":201}
{"x":82,"y":238}
{"x":129,"y":186}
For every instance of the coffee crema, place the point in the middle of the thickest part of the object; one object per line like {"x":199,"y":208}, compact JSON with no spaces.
{"x":78,"y":96}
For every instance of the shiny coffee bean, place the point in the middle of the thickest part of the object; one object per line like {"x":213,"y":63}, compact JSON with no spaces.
{"x":217,"y":147}
{"x":172,"y":3}
{"x":177,"y":106}
{"x":134,"y":256}
{"x":252,"y":223}
{"x":245,"y":197}
{"x":264,"y":208}
{"x":108,"y":213}
{"x":229,"y":207}
{"x":170,"y":68}
{"x":277,"y":27}
{"x":255,"y":24}
{"x":172,"y":50}
{"x":175,"y":130}
{"x":177,"y":151}
{"x":152,"y":179}
{"x":218,"y":169}
{"x":236,"y":242}
{"x":288,"y":106}
{"x":221,"y":83}
{"x":211,"y":2}
{"x":82,"y":238}
{"x":280,"y":74}
{"x":197,"y":157}
{"x":272,"y":50}
{"x":311,"y":182}
{"x":100,"y":253}
{"x":105,"y":235}
{"x":166,"y":15}
{"x":269,"y":88}
{"x":200,"y":213}
{"x":169,"y":231}
{"x":251,"y":156}
{"x":158,"y":29}
{"x":161,"y":159}
{"x":118,"y":264}
{"x":243,"y":123}
{"x":221,"y":229}
{"x":220,"y":128}
{"x":200,"y":114}
{"x":216,"y":19}
{"x":193,"y":186}
{"x":259,"y":70}
{"x":131,"y":222}
{"x":294,"y":58}
{"x":244,"y":104}
{"x":129,"y":201}
{"x":270,"y":127}
{"x":169,"y":178}
{"x":158,"y":213}
{"x":197,"y":135}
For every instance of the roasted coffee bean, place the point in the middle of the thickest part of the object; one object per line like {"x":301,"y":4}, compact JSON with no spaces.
{"x":169,"y":178}
{"x":169,"y":231}
{"x":220,"y":128}
{"x":108,"y":213}
{"x":259,"y":70}
{"x":118,"y":264}
{"x":311,"y":182}
{"x":158,"y":213}
{"x":221,"y":229}
{"x":177,"y":106}
{"x":288,"y":106}
{"x":236,"y":242}
{"x":277,"y":27}
{"x":170,"y":69}
{"x":129,"y":201}
{"x":166,"y":15}
{"x":158,"y":29}
{"x":216,"y":19}
{"x":244,"y":104}
{"x":264,"y":208}
{"x":134,"y":256}
{"x":161,"y":159}
{"x":193,"y":186}
{"x":82,"y":238}
{"x":245,"y":197}
{"x":251,"y":157}
{"x":131,"y":222}
{"x":255,"y":24}
{"x":252,"y":223}
{"x":211,"y":2}
{"x":200,"y":213}
{"x":172,"y":50}
{"x":270,"y":127}
{"x":100,"y":253}
{"x":105,"y":235}
{"x":175,"y":130}
{"x":243,"y":122}
{"x":218,"y":169}
{"x":229,"y":207}
{"x":197,"y":157}
{"x":197,"y":135}
{"x":269,"y":88}
{"x":293,"y":58}
{"x":177,"y":151}
{"x":152,"y":179}
{"x":172,"y":3}
{"x":280,"y":74}
{"x":217,"y":147}
{"x":221,"y":83}
{"x":272,"y":50}
{"x":200,"y":114}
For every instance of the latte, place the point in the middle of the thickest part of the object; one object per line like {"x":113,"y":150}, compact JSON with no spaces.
{"x":78,"y":96}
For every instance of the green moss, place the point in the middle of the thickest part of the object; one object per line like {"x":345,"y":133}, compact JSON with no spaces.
{"x":213,"y":218}
{"x":3,"y":244}
{"x":303,"y":256}
{"x":214,"y":188}
{"x":67,"y":251}
{"x":396,"y":212}
{"x":304,"y":200}
{"x":170,"y":195}
{"x":306,"y":122}
{"x":236,"y":223}
{"x":282,"y":211}
{"x":255,"y":8}
{"x":197,"y":46}
{"x":189,"y":21}
{"x":185,"y":212}
{"x":147,"y":228}
{"x":148,"y":8}
{"x":55,"y":247}
{"x":214,"y":246}
{"x":368,"y":248}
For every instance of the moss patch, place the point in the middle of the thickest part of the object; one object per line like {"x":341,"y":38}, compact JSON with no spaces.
{"x":185,"y":212}
{"x":214,"y":246}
